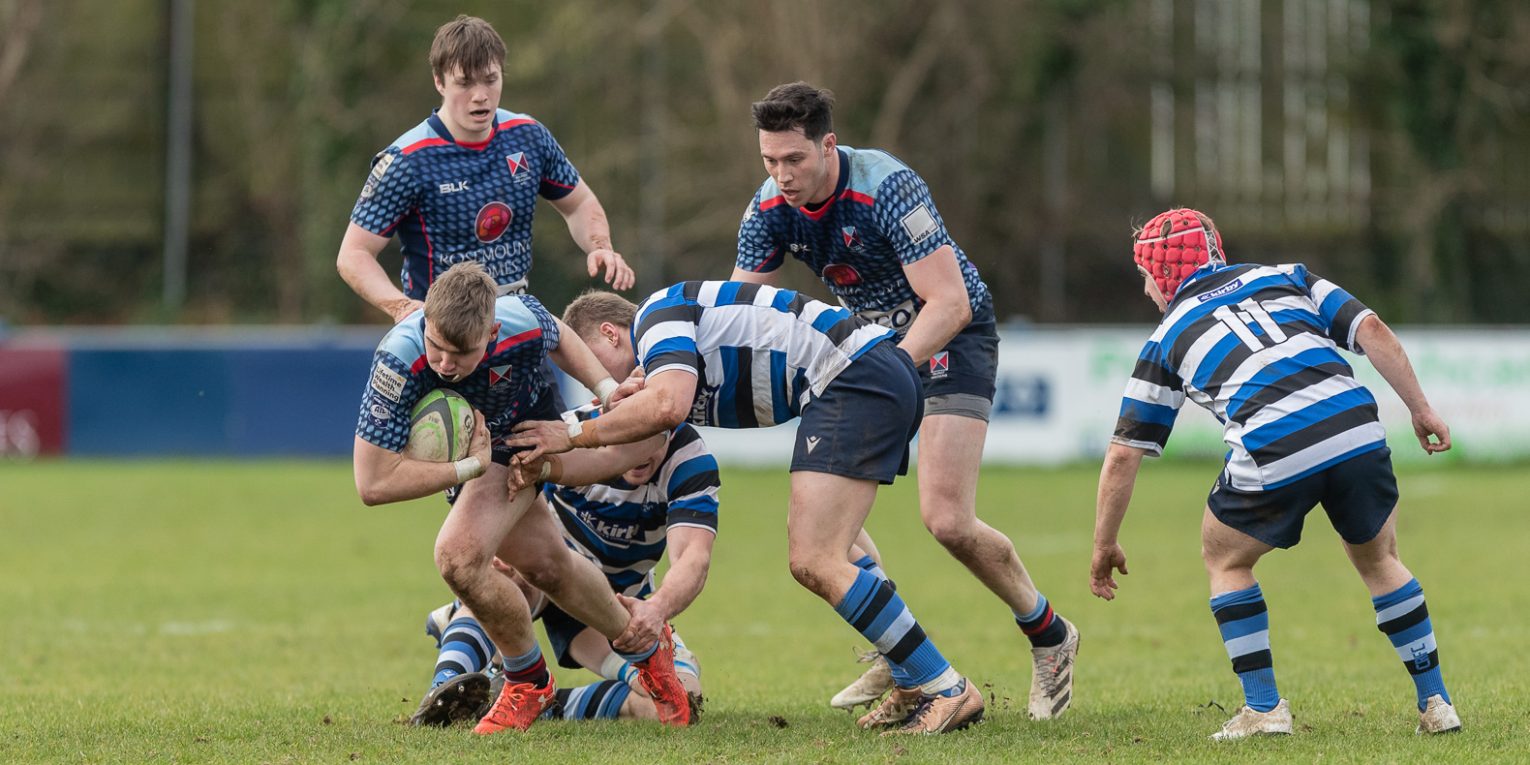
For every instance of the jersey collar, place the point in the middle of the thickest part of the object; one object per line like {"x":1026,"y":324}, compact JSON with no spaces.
{"x":839,"y":188}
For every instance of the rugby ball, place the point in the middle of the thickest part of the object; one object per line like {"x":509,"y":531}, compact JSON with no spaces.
{"x":440,"y":427}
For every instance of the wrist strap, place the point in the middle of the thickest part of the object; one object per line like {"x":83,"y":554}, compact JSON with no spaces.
{"x":603,"y":391}
{"x":588,"y":436}
{"x":552,"y":469}
{"x":468,"y":468}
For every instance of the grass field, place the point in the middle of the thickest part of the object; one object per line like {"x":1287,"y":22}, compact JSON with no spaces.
{"x":256,"y":612}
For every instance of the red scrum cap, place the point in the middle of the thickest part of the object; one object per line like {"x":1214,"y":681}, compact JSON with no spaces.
{"x":1174,"y":244}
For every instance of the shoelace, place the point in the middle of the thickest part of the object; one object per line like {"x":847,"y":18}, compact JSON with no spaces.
{"x":1047,"y":672}
{"x":869,"y":656}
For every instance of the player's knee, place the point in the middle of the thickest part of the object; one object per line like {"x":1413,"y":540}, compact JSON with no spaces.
{"x":807,"y":574}
{"x":548,"y":577}
{"x":955,"y":532}
{"x":459,"y":566}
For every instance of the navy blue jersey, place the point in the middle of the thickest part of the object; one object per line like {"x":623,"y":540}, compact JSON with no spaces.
{"x":452,"y":202}
{"x":1258,"y":347}
{"x":879,"y":219}
{"x":759,"y":353}
{"x":623,"y":529}
{"x":507,"y":384}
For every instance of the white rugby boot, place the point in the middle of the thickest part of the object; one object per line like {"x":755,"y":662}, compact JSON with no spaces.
{"x":1052,"y":676}
{"x":1247,"y":723}
{"x":869,"y":687}
{"x":1439,"y":716}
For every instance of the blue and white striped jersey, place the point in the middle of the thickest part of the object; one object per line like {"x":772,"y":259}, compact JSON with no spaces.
{"x":759,"y":353}
{"x":1258,"y":347}
{"x":623,"y":529}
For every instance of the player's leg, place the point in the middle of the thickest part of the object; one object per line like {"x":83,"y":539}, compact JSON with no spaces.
{"x":459,"y":686}
{"x":465,"y":548}
{"x":618,"y":695}
{"x":950,"y":457}
{"x":536,"y":549}
{"x":876,"y":680}
{"x":1238,"y":605}
{"x":1363,"y":492}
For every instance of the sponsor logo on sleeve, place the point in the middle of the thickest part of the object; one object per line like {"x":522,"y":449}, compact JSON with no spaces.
{"x":379,"y":169}
{"x":919,"y":224}
{"x":388,"y":383}
{"x":380,"y":412}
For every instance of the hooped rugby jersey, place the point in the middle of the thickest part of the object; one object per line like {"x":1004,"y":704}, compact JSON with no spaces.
{"x":759,"y":353}
{"x":1258,"y":347}
{"x":879,"y":219}
{"x":507,"y":384}
{"x":451,"y":202}
{"x":623,"y":529}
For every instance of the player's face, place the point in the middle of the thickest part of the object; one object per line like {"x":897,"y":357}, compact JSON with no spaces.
{"x":800,"y":167}
{"x":1150,"y":288}
{"x":644,"y":472}
{"x":451,"y":362}
{"x":468,"y":102}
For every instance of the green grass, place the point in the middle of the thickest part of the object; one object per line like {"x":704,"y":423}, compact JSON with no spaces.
{"x":256,"y":612}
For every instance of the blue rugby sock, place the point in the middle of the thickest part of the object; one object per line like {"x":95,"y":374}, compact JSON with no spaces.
{"x":1245,"y":625}
{"x":597,"y":701}
{"x":1041,"y":625}
{"x":465,"y":648}
{"x":870,"y":565}
{"x":1404,"y":618}
{"x":875,"y":610}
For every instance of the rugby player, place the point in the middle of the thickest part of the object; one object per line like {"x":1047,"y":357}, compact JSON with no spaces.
{"x":1258,"y":347}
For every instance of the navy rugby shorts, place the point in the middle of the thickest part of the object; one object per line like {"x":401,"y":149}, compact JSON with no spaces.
{"x":861,"y":425}
{"x":1358,"y":494}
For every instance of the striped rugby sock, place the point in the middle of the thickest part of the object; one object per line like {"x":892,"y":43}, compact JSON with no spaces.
{"x":465,"y":648}
{"x":875,"y":610}
{"x":1245,"y":625}
{"x":1041,"y":625}
{"x":869,"y":564}
{"x":1404,"y":618}
{"x":597,"y":701}
{"x":529,"y":667}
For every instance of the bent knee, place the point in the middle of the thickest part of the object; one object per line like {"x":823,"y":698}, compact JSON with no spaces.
{"x":954,"y":531}
{"x":460,"y":565}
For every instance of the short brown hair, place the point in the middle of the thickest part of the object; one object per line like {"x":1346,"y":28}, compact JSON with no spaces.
{"x":796,"y":105}
{"x":596,"y":306}
{"x":467,"y":42}
{"x":460,"y":304}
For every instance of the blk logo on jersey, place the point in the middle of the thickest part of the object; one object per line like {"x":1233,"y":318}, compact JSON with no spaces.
{"x":493,"y":219}
{"x":852,"y":239}
{"x":842,"y":275}
{"x":940,"y":364}
{"x":498,"y":374}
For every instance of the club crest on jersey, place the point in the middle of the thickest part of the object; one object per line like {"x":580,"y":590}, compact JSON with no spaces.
{"x":940,"y":364}
{"x":517,"y":163}
{"x":493,"y":219}
{"x":498,"y":374}
{"x":852,"y":239}
{"x":842,"y":275}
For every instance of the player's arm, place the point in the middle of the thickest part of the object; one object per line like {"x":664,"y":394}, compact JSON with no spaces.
{"x":662,"y":404}
{"x":583,"y":467}
{"x":590,"y":230}
{"x":384,"y":476}
{"x":690,"y":557}
{"x":358,"y":266}
{"x":1118,"y":476}
{"x":937,"y":280}
{"x":1386,"y":353}
{"x":575,"y":357}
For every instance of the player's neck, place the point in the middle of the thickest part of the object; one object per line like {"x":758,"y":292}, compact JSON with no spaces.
{"x":830,"y":183}
{"x":461,"y":134}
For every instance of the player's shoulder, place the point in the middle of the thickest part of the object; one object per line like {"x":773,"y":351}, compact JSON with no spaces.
{"x":518,"y":314}
{"x":871,"y":169}
{"x":421,"y":136}
{"x":516,"y":125}
{"x":768,"y":201}
{"x":406,"y":341}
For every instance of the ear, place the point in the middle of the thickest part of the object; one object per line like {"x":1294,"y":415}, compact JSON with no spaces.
{"x":611,"y":333}
{"x":829,"y":142}
{"x":440,"y":86}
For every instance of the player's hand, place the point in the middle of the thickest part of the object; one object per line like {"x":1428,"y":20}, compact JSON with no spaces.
{"x":398,"y":309}
{"x":1101,"y":583}
{"x":541,"y":436}
{"x":480,"y":445}
{"x":618,"y":274}
{"x":628,"y":387}
{"x":1427,"y":423}
{"x":642,"y":629}
{"x":523,"y":473}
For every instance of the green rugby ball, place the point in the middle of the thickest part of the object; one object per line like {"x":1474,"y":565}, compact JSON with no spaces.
{"x":440,"y":427}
